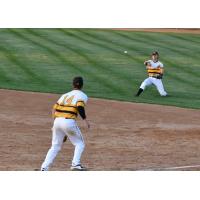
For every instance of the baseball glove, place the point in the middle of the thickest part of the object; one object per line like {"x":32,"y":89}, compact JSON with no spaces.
{"x":159,"y":76}
{"x":147,"y":63}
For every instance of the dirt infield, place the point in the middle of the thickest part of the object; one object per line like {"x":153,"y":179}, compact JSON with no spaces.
{"x":163,"y":30}
{"x":123,"y":136}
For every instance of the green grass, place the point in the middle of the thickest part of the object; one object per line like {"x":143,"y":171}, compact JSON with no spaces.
{"x":46,"y":60}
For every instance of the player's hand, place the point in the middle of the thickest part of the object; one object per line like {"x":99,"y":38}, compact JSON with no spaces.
{"x":87,"y":123}
{"x":147,"y":63}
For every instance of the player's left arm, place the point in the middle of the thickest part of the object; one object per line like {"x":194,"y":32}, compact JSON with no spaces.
{"x":162,"y":70}
{"x":81,"y":110}
{"x":161,"y":67}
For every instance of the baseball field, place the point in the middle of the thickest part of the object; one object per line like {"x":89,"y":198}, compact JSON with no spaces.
{"x":127,"y":133}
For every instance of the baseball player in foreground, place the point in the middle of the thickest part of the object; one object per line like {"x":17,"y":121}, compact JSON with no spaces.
{"x":155,"y":71}
{"x":65,"y":112}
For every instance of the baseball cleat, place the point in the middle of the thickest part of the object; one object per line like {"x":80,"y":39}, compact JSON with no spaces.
{"x":44,"y":169}
{"x":78,"y":168}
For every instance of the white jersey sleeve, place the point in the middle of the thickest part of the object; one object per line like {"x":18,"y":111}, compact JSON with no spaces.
{"x":161,"y":64}
{"x":82,"y":97}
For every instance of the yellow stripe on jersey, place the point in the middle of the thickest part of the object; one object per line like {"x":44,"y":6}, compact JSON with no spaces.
{"x":80,"y":103}
{"x":66,"y":111}
{"x":67,"y":108}
{"x":153,"y":72}
{"x":65,"y":115}
{"x":55,"y":105}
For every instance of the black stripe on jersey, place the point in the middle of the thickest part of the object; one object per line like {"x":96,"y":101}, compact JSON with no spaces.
{"x":154,"y":73}
{"x":80,"y":101}
{"x":66,"y":105}
{"x":63,"y":111}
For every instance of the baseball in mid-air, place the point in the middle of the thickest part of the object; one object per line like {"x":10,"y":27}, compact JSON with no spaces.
{"x":125,"y":51}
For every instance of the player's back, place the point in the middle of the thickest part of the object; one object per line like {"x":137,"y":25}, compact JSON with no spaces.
{"x":67,"y":105}
{"x":73,"y":97}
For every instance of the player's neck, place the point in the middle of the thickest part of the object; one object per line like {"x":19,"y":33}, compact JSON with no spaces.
{"x":77,"y":89}
{"x":155,"y":61}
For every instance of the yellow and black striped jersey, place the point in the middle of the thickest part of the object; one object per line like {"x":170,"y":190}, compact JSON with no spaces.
{"x":67,"y":105}
{"x":155,"y":67}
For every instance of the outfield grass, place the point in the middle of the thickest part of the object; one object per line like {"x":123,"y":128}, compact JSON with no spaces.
{"x":45,"y":60}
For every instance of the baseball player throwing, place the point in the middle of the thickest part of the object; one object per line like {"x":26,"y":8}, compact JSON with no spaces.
{"x":155,"y":71}
{"x":65,"y":112}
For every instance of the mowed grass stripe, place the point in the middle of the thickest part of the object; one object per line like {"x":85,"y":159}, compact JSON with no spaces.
{"x":102,"y":68}
{"x":195,"y":39}
{"x":51,"y":51}
{"x":25,"y":39}
{"x":8,"y":52}
{"x":113,"y":46}
{"x":93,"y":73}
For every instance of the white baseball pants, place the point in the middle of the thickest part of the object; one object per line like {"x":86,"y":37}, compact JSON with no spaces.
{"x":61,"y":128}
{"x":157,"y":82}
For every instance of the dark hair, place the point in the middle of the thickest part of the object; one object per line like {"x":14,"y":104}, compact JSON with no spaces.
{"x":78,"y":82}
{"x":155,"y":53}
